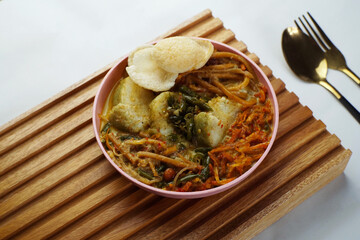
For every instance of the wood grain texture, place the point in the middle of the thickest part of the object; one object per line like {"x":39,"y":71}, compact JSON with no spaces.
{"x":55,"y":183}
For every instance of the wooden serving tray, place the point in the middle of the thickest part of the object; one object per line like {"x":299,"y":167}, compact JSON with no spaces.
{"x":55,"y":183}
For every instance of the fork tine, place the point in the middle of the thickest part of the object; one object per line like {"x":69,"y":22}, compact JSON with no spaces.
{"x":323,"y":35}
{"x":308,"y":31}
{"x":297,"y":25}
{"x":319,"y":40}
{"x":312,"y":33}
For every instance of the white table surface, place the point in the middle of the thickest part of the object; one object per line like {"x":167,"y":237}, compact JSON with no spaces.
{"x":46,"y":46}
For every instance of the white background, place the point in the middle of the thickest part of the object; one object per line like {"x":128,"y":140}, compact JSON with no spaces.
{"x":46,"y":46}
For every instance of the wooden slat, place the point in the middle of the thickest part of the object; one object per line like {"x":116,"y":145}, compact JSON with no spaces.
{"x":135,"y":223}
{"x":266,"y":70}
{"x":239,"y":45}
{"x":50,"y":178}
{"x":278,"y":85}
{"x":80,"y":207}
{"x":56,"y":184}
{"x":48,"y":137}
{"x":204,"y":28}
{"x":253,"y":57}
{"x":286,"y":100}
{"x":222,"y":35}
{"x":292,"y":118}
{"x":105,"y":216}
{"x":56,"y":197}
{"x":48,"y":158}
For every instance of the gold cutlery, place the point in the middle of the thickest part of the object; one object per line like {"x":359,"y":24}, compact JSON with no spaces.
{"x":308,"y":61}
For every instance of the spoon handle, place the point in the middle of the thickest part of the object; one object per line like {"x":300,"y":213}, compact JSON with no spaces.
{"x":355,"y":113}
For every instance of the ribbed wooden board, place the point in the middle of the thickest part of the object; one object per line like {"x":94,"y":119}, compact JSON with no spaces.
{"x":55,"y":183}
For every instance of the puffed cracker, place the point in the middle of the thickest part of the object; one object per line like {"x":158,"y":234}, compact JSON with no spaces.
{"x":182,"y":54}
{"x":145,"y":72}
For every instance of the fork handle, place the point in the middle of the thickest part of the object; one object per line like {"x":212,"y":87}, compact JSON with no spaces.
{"x":350,"y":108}
{"x":351,"y":75}
{"x":355,"y":113}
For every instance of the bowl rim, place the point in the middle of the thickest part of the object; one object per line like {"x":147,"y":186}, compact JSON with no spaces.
{"x":194,"y":194}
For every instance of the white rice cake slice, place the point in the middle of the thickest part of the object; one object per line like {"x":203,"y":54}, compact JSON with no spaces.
{"x":159,"y":114}
{"x":128,"y":92}
{"x":131,"y":118}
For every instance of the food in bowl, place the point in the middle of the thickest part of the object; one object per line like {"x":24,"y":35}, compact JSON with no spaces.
{"x":186,"y":125}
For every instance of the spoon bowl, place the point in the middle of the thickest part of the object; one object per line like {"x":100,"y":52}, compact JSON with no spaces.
{"x":298,"y":47}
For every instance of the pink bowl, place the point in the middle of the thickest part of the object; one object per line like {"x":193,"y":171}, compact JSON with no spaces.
{"x":114,"y":75}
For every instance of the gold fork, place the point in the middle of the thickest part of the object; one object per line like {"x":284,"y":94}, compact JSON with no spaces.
{"x":334,"y":57}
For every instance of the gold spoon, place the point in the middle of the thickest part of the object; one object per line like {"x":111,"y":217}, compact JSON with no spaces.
{"x":308,"y":61}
